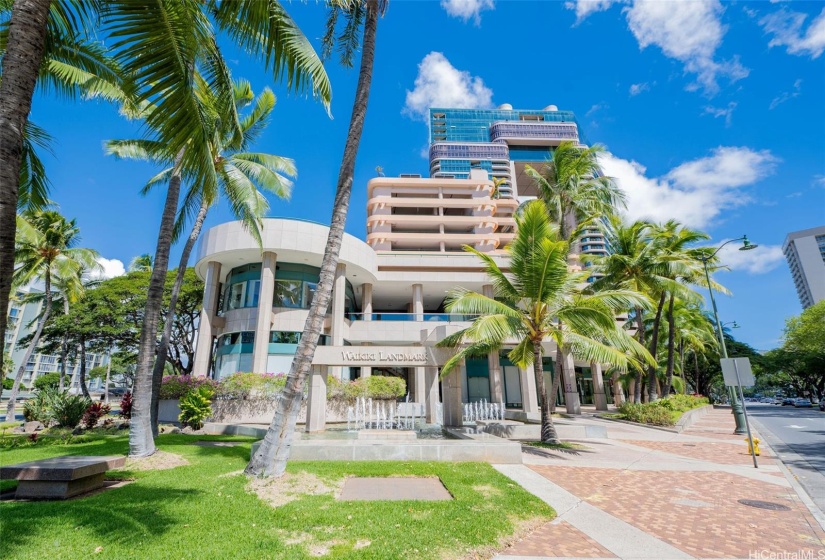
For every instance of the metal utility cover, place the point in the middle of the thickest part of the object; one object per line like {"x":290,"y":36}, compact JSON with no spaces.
{"x":394,"y":488}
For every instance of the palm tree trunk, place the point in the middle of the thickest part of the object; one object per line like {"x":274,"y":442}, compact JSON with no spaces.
{"x":83,"y":386}
{"x":163,"y":347}
{"x":64,"y":349}
{"x":108,"y":372}
{"x":548,"y":429}
{"x":671,"y":347}
{"x":273,"y":453}
{"x":141,"y":442}
{"x":696,"y":370}
{"x":25,"y":45}
{"x":640,"y":332}
{"x":654,"y":343}
{"x":47,"y":309}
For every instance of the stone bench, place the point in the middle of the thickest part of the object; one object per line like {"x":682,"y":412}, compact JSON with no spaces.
{"x":59,"y":478}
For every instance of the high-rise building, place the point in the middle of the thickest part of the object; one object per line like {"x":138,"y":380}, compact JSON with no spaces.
{"x":805,"y":252}
{"x":503,"y":142}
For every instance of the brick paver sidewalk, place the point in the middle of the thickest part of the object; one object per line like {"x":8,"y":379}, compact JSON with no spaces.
{"x":684,"y":491}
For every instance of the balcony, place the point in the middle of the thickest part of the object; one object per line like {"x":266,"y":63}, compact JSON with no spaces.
{"x":442,"y":317}
{"x":533,"y":134}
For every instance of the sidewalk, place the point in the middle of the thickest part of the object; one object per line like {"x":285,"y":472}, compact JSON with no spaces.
{"x":646,"y":493}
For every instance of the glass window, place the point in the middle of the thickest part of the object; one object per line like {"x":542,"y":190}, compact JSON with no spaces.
{"x":288,"y":293}
{"x":236,"y":295}
{"x":247,"y":337}
{"x":284,"y":337}
{"x":309,"y":293}
{"x":252,"y":293}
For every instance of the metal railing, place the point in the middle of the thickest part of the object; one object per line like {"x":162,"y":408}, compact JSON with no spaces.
{"x":442,"y":317}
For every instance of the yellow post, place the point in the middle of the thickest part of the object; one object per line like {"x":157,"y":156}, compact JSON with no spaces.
{"x":755,"y":449}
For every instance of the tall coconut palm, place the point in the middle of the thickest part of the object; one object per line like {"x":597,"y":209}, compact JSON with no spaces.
{"x":30,"y":27}
{"x":272,"y":455}
{"x":167,"y":62}
{"x":46,"y":247}
{"x":242,"y":176}
{"x":141,"y":263}
{"x":541,"y":300}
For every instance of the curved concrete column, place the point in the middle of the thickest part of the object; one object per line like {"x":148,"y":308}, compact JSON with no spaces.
{"x":260,"y":348}
{"x":529,"y":394}
{"x":211,"y":292}
{"x":317,"y":401}
{"x":571,"y":393}
{"x":453,"y":408}
{"x":339,"y":289}
{"x":599,"y":398}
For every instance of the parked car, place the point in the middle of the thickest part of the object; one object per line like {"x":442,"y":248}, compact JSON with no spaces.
{"x":766,"y":400}
{"x":802,"y":403}
{"x":117,"y":391}
{"x":822,"y":404}
{"x":789,"y":401}
{"x":778,"y":400}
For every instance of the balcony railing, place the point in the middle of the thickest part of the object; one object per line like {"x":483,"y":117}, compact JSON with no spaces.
{"x":539,"y":130}
{"x":442,"y":317}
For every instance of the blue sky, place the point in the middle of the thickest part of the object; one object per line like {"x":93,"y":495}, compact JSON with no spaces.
{"x":712,"y":113}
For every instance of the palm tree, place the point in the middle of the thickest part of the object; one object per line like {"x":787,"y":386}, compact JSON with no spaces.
{"x":242,"y":175}
{"x":694,"y":333}
{"x":141,"y":263}
{"x":45,"y":249}
{"x":541,"y":300}
{"x":168,"y":63}
{"x":34,"y":28}
{"x":272,"y":455}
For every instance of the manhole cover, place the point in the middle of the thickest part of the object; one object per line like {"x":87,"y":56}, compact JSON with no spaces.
{"x":764,"y":505}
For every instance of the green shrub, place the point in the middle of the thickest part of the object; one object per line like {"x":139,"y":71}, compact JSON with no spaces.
{"x":94,"y":413}
{"x":196,"y":407}
{"x":375,"y":387}
{"x":176,"y":386}
{"x":8,"y":383}
{"x":67,"y":410}
{"x":48,"y":380}
{"x":243,"y":385}
{"x":126,"y":406}
{"x":36,"y":409}
{"x":647,"y":413}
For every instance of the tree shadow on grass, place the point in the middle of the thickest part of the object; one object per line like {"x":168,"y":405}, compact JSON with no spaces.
{"x":117,"y":516}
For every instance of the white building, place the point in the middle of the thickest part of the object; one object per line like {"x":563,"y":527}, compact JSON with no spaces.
{"x":805,"y":252}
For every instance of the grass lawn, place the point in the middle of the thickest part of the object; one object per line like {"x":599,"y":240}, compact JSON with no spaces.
{"x":203,"y":511}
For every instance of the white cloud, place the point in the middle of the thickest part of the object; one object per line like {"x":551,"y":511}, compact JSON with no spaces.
{"x":717,"y":112}
{"x":586,"y":7}
{"x":756,"y":261}
{"x":786,"y":95}
{"x":109,"y":269}
{"x":596,"y":108}
{"x":467,"y":9}
{"x":440,"y":84}
{"x":636,"y":89}
{"x":696,"y":192}
{"x":690,"y":32}
{"x":786,"y":28}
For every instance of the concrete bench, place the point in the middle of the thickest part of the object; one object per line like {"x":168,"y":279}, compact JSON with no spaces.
{"x":59,"y":478}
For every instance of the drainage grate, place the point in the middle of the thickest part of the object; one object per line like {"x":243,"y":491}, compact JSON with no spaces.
{"x":764,"y":505}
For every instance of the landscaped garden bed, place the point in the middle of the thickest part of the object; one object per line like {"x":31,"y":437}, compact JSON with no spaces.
{"x":663,"y":412}
{"x":209,"y":509}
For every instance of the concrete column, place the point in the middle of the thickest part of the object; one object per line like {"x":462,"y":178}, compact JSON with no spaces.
{"x":418,"y":302}
{"x":420,"y":385}
{"x":339,"y":287}
{"x":366,"y":371}
{"x":317,"y":402}
{"x":529,"y":393}
{"x":211,"y":291}
{"x":571,"y":394}
{"x":618,"y":392}
{"x":599,"y":398}
{"x":260,"y":349}
{"x":451,"y":392}
{"x":366,"y":301}
{"x":496,"y":377}
{"x":431,"y":400}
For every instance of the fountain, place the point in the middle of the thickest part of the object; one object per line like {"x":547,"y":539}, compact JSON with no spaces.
{"x":483,"y":410}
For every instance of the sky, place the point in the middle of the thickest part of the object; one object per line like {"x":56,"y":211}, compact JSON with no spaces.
{"x":712,"y":114}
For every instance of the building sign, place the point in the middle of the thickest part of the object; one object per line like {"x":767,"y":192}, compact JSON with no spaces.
{"x":377,"y":356}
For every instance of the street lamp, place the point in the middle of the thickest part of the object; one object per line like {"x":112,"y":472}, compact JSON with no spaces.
{"x":735,"y":403}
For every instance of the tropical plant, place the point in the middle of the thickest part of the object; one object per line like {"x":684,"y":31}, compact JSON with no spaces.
{"x":141,"y":263}
{"x":196,"y":407}
{"x":126,"y":405}
{"x":375,"y":387}
{"x":36,"y":408}
{"x":541,"y":301}
{"x":67,"y":410}
{"x":272,"y":455}
{"x":45,"y":248}
{"x":48,"y":380}
{"x":242,"y":385}
{"x":94,"y":413}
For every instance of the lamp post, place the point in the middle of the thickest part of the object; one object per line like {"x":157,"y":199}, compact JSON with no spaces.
{"x":735,"y":403}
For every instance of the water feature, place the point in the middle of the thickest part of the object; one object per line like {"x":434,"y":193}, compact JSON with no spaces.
{"x":482,"y":410}
{"x":365,"y":415}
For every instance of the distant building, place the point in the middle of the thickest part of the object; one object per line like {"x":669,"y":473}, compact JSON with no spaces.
{"x":805,"y":251}
{"x":22,"y":320}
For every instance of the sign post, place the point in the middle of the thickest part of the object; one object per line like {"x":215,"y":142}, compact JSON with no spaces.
{"x":737,"y":371}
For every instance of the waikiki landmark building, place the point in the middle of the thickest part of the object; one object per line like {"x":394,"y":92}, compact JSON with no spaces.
{"x":387,"y":311}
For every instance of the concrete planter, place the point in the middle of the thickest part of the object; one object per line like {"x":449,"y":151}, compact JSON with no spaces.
{"x":254,"y":411}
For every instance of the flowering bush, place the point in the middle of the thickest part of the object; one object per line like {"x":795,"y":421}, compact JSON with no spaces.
{"x":242,"y":385}
{"x":126,"y":405}
{"x":376,"y":387}
{"x":95,"y":412}
{"x":176,"y":386}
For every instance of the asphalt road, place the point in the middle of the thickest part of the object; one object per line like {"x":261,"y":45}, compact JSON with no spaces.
{"x":798,"y":436}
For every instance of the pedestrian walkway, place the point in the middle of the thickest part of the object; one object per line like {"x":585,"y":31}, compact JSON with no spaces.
{"x":646,"y":493}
